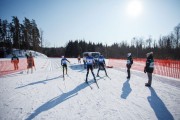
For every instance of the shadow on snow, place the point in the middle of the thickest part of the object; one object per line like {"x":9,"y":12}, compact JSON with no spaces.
{"x":158,"y":106}
{"x":76,"y":67}
{"x":126,"y":90}
{"x":57,"y":100}
{"x":39,"y":82}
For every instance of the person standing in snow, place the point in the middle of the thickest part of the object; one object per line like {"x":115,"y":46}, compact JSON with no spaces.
{"x":15,"y":61}
{"x":102,"y":64}
{"x":90,"y":62}
{"x":129,"y":64}
{"x":149,"y":68}
{"x":26,"y":55}
{"x":79,"y":59}
{"x":30,"y":61}
{"x":64,"y":64}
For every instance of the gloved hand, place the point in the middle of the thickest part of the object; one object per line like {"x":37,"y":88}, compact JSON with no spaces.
{"x":144,"y":70}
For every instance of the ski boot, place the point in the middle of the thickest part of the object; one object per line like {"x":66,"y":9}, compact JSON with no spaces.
{"x":147,"y":85}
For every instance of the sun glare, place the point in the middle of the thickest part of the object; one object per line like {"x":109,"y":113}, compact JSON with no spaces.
{"x":134,"y":8}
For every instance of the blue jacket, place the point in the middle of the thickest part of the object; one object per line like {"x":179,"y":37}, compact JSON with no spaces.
{"x":63,"y":61}
{"x":89,"y":60}
{"x":101,"y":59}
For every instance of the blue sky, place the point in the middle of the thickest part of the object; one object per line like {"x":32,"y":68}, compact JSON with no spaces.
{"x":105,"y":21}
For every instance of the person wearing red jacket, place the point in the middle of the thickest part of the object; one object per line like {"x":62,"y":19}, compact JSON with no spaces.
{"x":30,"y":61}
{"x":15,"y":61}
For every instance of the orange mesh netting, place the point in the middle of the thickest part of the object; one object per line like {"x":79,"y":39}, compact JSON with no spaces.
{"x":170,"y":68}
{"x":7,"y":67}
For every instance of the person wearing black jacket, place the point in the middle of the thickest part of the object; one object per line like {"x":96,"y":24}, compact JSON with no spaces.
{"x":128,"y":65}
{"x":149,"y":68}
{"x":64,"y":64}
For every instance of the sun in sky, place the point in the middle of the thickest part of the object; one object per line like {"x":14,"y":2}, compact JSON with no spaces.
{"x":134,"y":8}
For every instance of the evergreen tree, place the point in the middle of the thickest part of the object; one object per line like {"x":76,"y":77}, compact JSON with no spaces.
{"x":16,"y":32}
{"x":35,"y":36}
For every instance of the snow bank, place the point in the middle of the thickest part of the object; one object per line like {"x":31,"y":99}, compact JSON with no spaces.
{"x":22,"y":53}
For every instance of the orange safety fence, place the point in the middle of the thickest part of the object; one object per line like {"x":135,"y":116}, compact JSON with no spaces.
{"x":169,"y":68}
{"x":6,"y":67}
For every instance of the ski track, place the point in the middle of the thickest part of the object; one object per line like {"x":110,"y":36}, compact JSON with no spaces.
{"x":45,"y":95}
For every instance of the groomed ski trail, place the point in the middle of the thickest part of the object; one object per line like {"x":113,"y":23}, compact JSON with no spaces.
{"x":44,"y":95}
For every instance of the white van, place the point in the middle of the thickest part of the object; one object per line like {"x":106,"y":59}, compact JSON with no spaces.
{"x":95,"y":55}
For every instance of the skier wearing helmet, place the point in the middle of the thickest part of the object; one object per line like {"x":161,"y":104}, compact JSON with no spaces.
{"x":90,"y":62}
{"x":102,"y":64}
{"x":64,"y":64}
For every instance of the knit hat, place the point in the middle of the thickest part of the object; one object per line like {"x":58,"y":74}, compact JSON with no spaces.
{"x":148,"y":54}
{"x":129,"y":54}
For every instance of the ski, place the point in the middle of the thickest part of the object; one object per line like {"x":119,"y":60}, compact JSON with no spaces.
{"x":108,"y":77}
{"x":96,"y":83}
{"x":68,"y":75}
{"x":89,"y":85}
{"x":103,"y":77}
{"x":98,"y":78}
{"x":63,"y":77}
{"x":60,"y":89}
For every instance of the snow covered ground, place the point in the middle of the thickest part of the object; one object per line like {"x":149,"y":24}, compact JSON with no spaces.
{"x":45,"y":95}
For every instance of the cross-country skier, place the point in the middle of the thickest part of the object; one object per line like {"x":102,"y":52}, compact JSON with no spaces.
{"x":64,"y":64}
{"x":15,"y":61}
{"x":102,"y":64}
{"x":90,"y":62}
{"x":149,"y":68}
{"x":128,"y":64}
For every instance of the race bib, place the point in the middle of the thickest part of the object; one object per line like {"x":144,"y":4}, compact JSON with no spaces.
{"x":151,"y":65}
{"x":100,"y":60}
{"x":64,"y":62}
{"x":128,"y":62}
{"x":89,"y":61}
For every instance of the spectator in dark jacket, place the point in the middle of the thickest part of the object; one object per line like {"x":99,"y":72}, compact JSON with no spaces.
{"x":129,"y":63}
{"x":149,"y":68}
